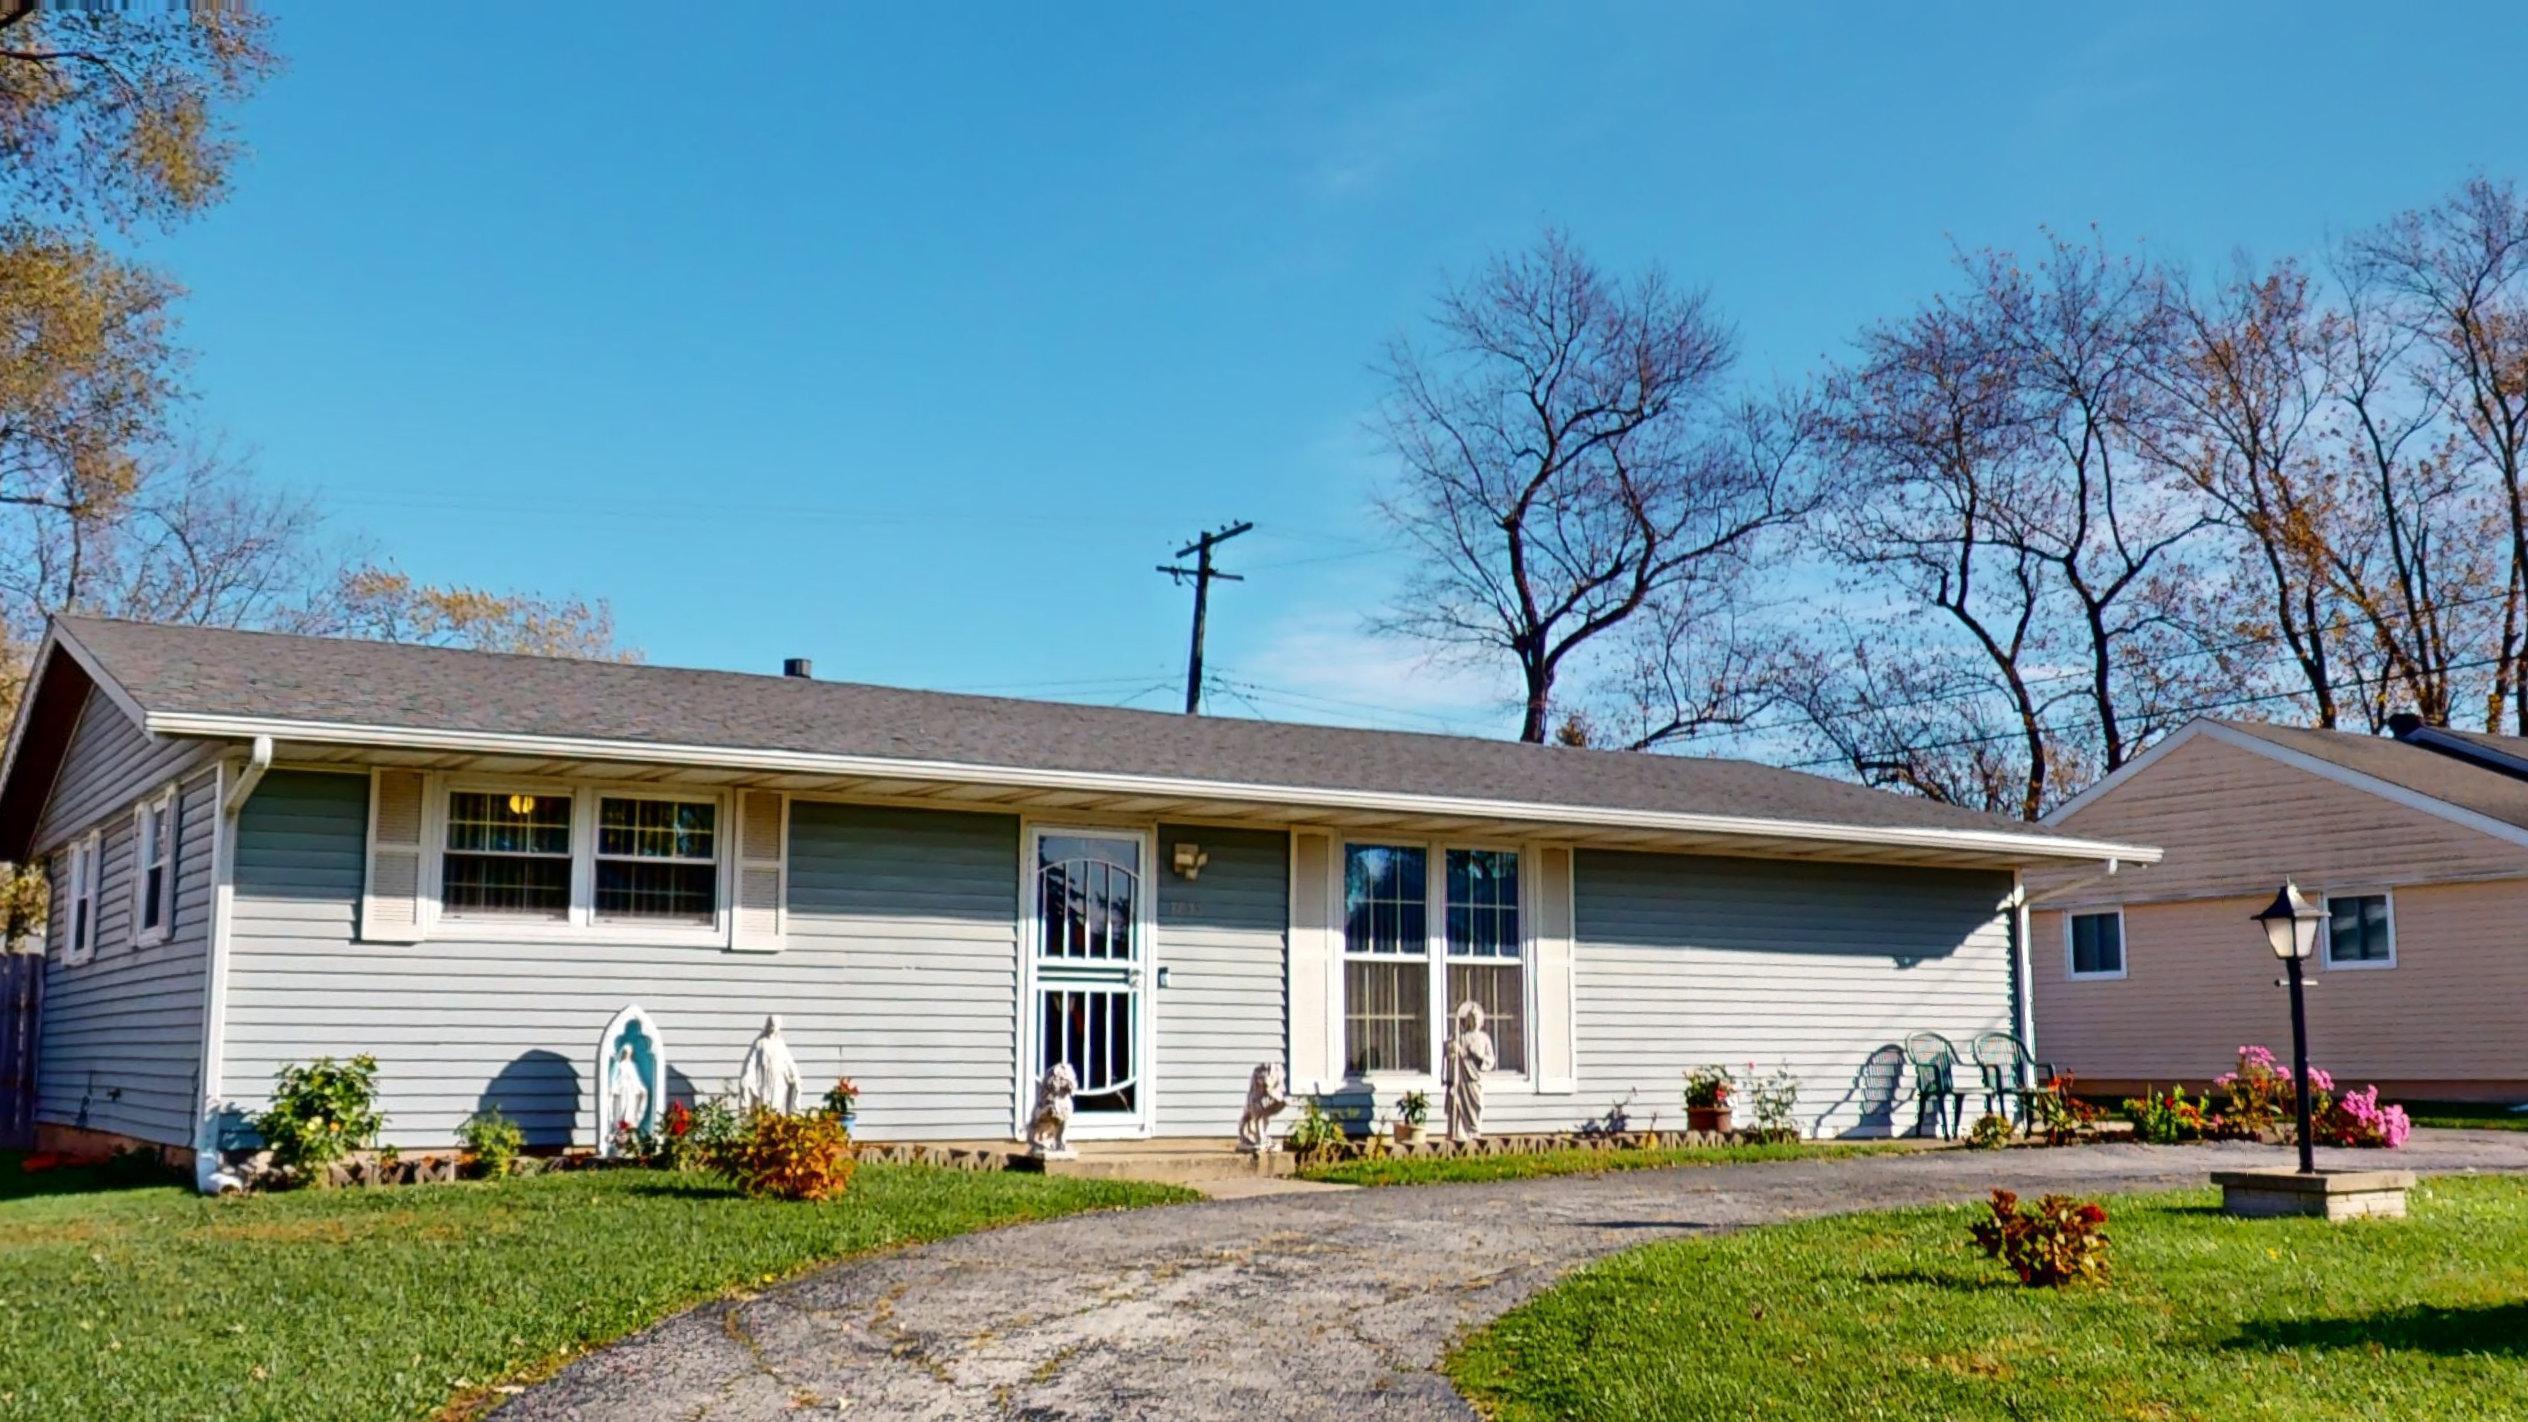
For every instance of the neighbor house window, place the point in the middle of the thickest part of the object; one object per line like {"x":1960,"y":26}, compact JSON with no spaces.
{"x":1484,"y":946}
{"x":81,"y":881}
{"x":153,"y":852}
{"x":1386,"y":959}
{"x":508,"y":855}
{"x":657,"y":859}
{"x":2097,"y":945}
{"x":2360,"y":932}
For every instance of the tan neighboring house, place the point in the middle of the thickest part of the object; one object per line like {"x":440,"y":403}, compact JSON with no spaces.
{"x":2417,"y":844}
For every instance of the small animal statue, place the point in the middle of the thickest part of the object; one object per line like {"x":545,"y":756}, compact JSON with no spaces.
{"x":1468,"y":1057}
{"x":1265,"y":1098}
{"x":1052,"y":1116}
{"x":770,"y":1077}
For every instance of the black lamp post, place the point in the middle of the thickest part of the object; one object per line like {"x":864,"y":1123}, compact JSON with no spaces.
{"x":2291,"y":924}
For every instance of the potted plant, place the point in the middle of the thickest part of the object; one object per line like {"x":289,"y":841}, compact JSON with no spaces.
{"x":1412,"y":1109}
{"x":842,"y":1101}
{"x":1707,"y":1093}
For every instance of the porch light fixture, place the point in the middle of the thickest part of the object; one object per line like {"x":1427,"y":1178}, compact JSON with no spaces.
{"x":1189,"y":860}
{"x":2290,"y":923}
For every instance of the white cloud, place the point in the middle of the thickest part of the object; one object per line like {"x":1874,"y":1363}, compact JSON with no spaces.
{"x":1325,"y":666}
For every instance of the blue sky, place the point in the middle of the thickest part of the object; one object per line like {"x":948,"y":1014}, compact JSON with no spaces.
{"x":912,"y":341}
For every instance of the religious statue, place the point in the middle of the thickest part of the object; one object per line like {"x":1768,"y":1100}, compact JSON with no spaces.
{"x":1462,"y":1066}
{"x":1265,"y":1098}
{"x":1052,"y":1116}
{"x":770,"y":1077}
{"x":626,"y":1092}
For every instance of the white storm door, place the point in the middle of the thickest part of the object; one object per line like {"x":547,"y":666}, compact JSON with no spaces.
{"x":1089,"y":932}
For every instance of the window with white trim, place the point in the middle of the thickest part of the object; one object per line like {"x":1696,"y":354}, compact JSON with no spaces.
{"x":1484,"y":947}
{"x":508,"y":855}
{"x":2360,"y":931}
{"x":582,"y":855}
{"x":154,"y":867}
{"x":1400,"y":958}
{"x":657,"y":860}
{"x":2095,"y":943}
{"x":79,"y":942}
{"x":1386,"y":959}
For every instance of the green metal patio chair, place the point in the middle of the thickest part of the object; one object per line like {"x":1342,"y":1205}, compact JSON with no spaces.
{"x":2011,"y":1074}
{"x":1938,"y":1099}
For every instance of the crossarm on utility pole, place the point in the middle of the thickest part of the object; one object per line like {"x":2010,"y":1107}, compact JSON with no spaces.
{"x":1202,"y":573}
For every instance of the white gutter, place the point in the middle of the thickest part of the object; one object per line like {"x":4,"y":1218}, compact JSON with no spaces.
{"x":1994,"y":842}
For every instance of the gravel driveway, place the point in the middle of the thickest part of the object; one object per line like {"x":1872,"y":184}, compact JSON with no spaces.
{"x":1333,"y":1306}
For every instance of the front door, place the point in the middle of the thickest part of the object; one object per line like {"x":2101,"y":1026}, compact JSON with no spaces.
{"x":1088,"y":953}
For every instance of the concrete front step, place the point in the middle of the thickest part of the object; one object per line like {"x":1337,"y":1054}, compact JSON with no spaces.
{"x":1162,"y":1163}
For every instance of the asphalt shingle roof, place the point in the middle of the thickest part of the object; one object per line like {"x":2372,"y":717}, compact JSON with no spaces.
{"x":201,"y":671}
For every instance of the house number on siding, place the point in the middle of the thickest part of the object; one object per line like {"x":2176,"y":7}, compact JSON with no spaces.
{"x":1180,"y":905}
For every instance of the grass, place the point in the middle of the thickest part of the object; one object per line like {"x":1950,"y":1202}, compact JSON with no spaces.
{"x":153,"y":1303}
{"x":1897,"y":1315}
{"x":2466,"y":1115}
{"x":1581,"y":1160}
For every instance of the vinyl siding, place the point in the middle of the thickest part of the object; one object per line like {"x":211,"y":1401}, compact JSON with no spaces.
{"x":2198,"y":985}
{"x":109,"y":763}
{"x":1680,"y":960}
{"x":2232,"y":822}
{"x":121,"y":1038}
{"x":899,"y":971}
{"x":1221,"y":940}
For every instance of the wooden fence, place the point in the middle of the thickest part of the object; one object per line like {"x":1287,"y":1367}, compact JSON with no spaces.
{"x":21,"y":1011}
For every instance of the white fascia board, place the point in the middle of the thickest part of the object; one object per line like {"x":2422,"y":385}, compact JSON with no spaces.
{"x":114,"y":692}
{"x":1990,"y":842}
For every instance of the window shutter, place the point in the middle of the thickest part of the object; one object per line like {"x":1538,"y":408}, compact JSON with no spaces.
{"x":390,"y":908}
{"x":763,"y":871}
{"x":1315,"y":1005}
{"x":1557,"y":1056}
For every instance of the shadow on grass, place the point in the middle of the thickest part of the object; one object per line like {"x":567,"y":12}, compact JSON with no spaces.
{"x":2497,"y":1329}
{"x":1946,"y":1283}
{"x":19,"y":1184}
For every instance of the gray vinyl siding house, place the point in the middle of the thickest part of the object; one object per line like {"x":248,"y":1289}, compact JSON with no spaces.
{"x":468,"y":864}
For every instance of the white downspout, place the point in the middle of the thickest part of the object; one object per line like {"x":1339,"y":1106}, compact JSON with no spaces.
{"x":210,"y":1175}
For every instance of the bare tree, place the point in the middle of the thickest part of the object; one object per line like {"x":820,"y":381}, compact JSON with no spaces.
{"x":2458,"y":276}
{"x":1565,"y":466}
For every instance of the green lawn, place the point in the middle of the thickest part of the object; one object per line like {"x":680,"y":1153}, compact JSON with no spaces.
{"x":2466,"y":1115}
{"x":153,"y":1303}
{"x":1403,"y":1170}
{"x":1897,"y":1315}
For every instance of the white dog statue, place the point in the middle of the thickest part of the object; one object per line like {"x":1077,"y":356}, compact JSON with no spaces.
{"x":1265,"y":1097}
{"x":1052,"y":1115}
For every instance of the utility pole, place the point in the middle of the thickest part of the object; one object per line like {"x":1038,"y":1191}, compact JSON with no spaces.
{"x":1202,"y":573}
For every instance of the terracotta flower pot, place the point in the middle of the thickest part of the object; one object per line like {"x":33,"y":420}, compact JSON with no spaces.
{"x":1707,"y":1118}
{"x":1407,"y":1133}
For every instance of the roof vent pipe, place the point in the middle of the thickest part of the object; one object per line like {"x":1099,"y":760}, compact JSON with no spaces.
{"x":798,"y":667}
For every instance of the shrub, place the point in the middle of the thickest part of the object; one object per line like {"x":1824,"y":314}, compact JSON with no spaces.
{"x":1775,"y":1100}
{"x":2260,"y":1096}
{"x":493,"y":1139}
{"x":321,"y":1112}
{"x":1707,"y":1088}
{"x":2061,"y":1241}
{"x":805,"y":1157}
{"x":2357,"y":1119}
{"x":1991,"y":1131}
{"x":2166,"y":1118}
{"x":1317,"y":1131}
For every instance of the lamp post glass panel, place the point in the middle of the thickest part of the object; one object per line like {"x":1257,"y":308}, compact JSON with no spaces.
{"x":2291,"y":923}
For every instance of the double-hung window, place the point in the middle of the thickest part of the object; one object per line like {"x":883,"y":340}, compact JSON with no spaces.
{"x":657,"y":860}
{"x":2096,"y":944}
{"x":1400,"y":958}
{"x":581,"y":855}
{"x":80,"y":918}
{"x":508,"y":855}
{"x":1386,"y":959}
{"x":154,"y":864}
{"x":2360,"y":931}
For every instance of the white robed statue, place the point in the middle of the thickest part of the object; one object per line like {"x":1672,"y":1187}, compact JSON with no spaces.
{"x":1468,"y":1057}
{"x":628,"y":1091}
{"x":771,"y":1075}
